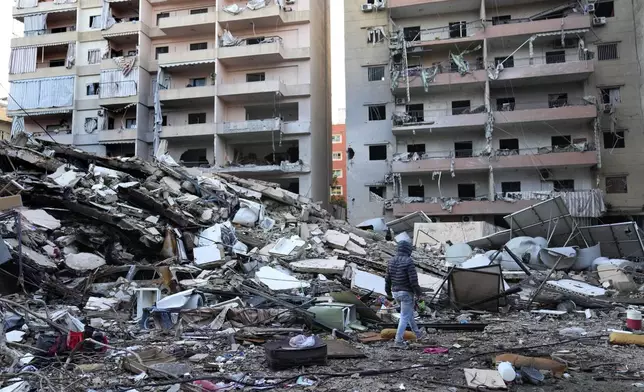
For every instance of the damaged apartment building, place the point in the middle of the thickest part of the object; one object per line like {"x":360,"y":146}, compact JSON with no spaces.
{"x":473,"y":109}
{"x":238,"y":87}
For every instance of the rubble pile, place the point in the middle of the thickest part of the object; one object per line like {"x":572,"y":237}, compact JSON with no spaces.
{"x":120,"y":274}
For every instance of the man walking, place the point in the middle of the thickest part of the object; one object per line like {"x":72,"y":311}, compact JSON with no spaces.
{"x":402,"y":280}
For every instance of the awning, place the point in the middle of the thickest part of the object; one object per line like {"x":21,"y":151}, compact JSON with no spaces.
{"x":43,"y":45}
{"x":122,"y":34}
{"x":37,"y":112}
{"x":54,"y":11}
{"x":211,"y":61}
{"x":128,"y":141}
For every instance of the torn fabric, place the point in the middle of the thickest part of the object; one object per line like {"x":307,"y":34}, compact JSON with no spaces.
{"x":35,"y":24}
{"x":125,"y":63}
{"x":233,"y":9}
{"x":158,"y":115}
{"x":428,"y":75}
{"x":23,"y":60}
{"x":255,"y":4}
{"x":17,"y":125}
{"x":70,"y":59}
{"x":228,"y":39}
{"x":115,"y":84}
{"x":42,"y":93}
{"x":107,"y":20}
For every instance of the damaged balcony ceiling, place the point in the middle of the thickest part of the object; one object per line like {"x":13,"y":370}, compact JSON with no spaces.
{"x":619,"y":240}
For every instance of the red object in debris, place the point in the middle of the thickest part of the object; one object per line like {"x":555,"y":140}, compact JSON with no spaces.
{"x":206,"y":385}
{"x":634,"y":319}
{"x":435,"y":350}
{"x":74,"y":339}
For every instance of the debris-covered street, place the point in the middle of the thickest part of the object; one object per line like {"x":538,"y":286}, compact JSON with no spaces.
{"x":124,"y":275}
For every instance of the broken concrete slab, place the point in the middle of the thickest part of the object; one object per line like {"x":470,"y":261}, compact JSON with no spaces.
{"x":355,"y":249}
{"x":336,"y":239}
{"x":31,"y":255}
{"x":208,"y":256}
{"x":286,"y":246}
{"x":616,"y":277}
{"x":279,"y":281}
{"x":40,"y":218}
{"x":319,"y":266}
{"x":173,"y":185}
{"x":357,"y":239}
{"x":84,"y":261}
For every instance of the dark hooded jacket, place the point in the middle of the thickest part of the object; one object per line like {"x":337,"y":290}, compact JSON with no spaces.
{"x":401,"y":272}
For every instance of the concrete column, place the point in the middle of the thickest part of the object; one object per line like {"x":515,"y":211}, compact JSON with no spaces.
{"x":491,"y":192}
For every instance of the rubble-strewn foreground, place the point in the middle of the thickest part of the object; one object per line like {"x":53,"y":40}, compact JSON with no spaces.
{"x":119,"y":274}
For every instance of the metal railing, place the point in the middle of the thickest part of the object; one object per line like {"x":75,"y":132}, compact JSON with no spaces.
{"x":456,"y":31}
{"x":444,"y":67}
{"x":125,"y":88}
{"x":517,"y":62}
{"x":473,"y":153}
{"x":556,"y":102}
{"x":420,"y":116}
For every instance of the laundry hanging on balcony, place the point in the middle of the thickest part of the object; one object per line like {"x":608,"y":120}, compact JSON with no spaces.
{"x":35,"y":24}
{"x":115,"y":84}
{"x":26,"y":3}
{"x":23,"y":60}
{"x":107,"y":20}
{"x":70,"y":59}
{"x":42,"y":93}
{"x":228,"y":39}
{"x":125,"y":63}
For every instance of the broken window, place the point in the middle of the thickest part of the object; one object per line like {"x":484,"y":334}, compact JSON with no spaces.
{"x":378,"y":153}
{"x":557,"y":56}
{"x":458,"y":29}
{"x":505,"y":104}
{"x":336,"y":156}
{"x":199,"y":11}
{"x":501,"y":19}
{"x":256,"y":77}
{"x":563,"y":185}
{"x":466,"y":191}
{"x":607,"y":52}
{"x":377,"y":112}
{"x":509,"y":144}
{"x":162,"y":15}
{"x":416,"y":191}
{"x":57,"y":63}
{"x":557,"y":100}
{"x":196,"y":82}
{"x":605,"y":9}
{"x":336,"y":190}
{"x":561,"y":141}
{"x":130,"y":123}
{"x":194,"y":157}
{"x":416,"y":148}
{"x":378,"y":191}
{"x":614,"y":140}
{"x":254,"y":41}
{"x":512,"y":186}
{"x":463,"y":149}
{"x":412,"y":33}
{"x":196,"y":118}
{"x":508,"y":63}
{"x":164,"y":121}
{"x":199,"y":46}
{"x":416,"y":111}
{"x":336,"y":139}
{"x":160,"y":50}
{"x":460,"y":107}
{"x":337,"y":173}
{"x":120,"y":150}
{"x":616,"y":184}
{"x":95,"y":22}
{"x":376,"y":74}
{"x":92,"y":89}
{"x":610,"y":95}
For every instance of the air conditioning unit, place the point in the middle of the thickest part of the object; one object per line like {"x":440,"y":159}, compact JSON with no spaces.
{"x":590,"y":8}
{"x":367,"y":7}
{"x":607,"y":107}
{"x":401,"y":101}
{"x":467,"y":218}
{"x":599,"y":21}
{"x":545,"y":173}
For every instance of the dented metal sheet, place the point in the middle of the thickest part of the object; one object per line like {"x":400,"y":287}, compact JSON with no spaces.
{"x":618,"y":240}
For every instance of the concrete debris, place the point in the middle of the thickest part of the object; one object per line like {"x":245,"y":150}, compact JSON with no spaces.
{"x":174,"y":271}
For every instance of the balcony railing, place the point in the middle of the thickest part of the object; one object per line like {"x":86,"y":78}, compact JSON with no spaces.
{"x":560,"y":101}
{"x":250,"y":41}
{"x":117,"y":89}
{"x":455,"y":31}
{"x":415,"y":117}
{"x":553,"y":58}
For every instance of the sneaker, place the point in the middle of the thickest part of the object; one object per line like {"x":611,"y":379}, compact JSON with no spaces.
{"x":422,"y":335}
{"x":401,"y":345}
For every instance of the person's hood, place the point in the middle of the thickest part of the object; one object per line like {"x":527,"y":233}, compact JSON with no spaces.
{"x":404,"y":248}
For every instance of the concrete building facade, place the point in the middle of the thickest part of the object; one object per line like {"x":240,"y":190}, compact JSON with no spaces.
{"x":473,"y":109}
{"x":232,"y":86}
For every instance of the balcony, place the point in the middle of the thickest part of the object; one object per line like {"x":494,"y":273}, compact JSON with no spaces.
{"x":118,"y":93}
{"x":111,"y":64}
{"x":415,"y":8}
{"x":116,"y":135}
{"x":270,"y":16}
{"x":123,"y":29}
{"x":250,"y":127}
{"x":283,"y":168}
{"x":187,"y":59}
{"x":263,"y":52}
{"x":549,"y":69}
{"x":471,"y":161}
{"x":47,"y":39}
{"x":443,"y":78}
{"x":177,"y":94}
{"x":571,"y":111}
{"x":441,"y":37}
{"x":44,"y":7}
{"x":408,"y":124}
{"x":188,"y":130}
{"x":527,"y":27}
{"x":181,"y":24}
{"x":261,"y":91}
{"x":45,"y":72}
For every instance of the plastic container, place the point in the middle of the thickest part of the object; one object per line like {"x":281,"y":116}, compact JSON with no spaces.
{"x":506,"y":371}
{"x":634,"y":319}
